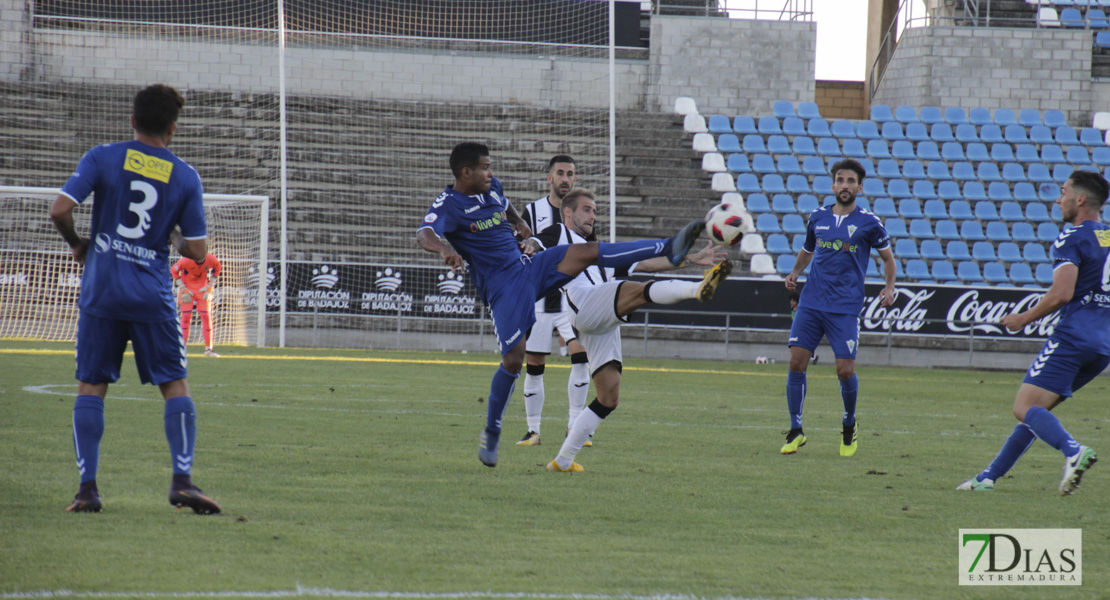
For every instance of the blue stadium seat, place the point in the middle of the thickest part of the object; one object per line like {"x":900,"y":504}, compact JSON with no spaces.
{"x":1039,"y":134}
{"x":872,"y":270}
{"x":972,"y":231}
{"x":874,"y":188}
{"x":946,"y":230}
{"x":952,"y":151}
{"x":1011,"y":211}
{"x":1029,"y":117}
{"x":1100,"y":156}
{"x":843,"y":129}
{"x":763,"y":163}
{"x":968,"y":272}
{"x":797,"y":184}
{"x":935,"y":209}
{"x":957,"y":250}
{"x":904,"y":114}
{"x":772,"y":183}
{"x":828,"y":146}
{"x":1065,"y":136}
{"x":974,"y":191}
{"x":1004,"y":117}
{"x":917,"y":132}
{"x":991,"y":134}
{"x":1024,"y":191}
{"x":988,"y":171}
{"x":753,"y":144}
{"x":1060,"y":173}
{"x":808,"y":110}
{"x":979,"y":116}
{"x":853,"y":148}
{"x":928,"y":151}
{"x":822,"y":184}
{"x":1039,"y":173}
{"x":778,"y":144}
{"x":898,"y":188}
{"x":881,"y":113}
{"x":797,"y":243}
{"x":965,"y":132}
{"x":807,"y":203}
{"x":778,"y":244}
{"x":1009,"y":252}
{"x":813,"y":165}
{"x":769,"y":126}
{"x":923,"y":189}
{"x":868,"y":166}
{"x":889,"y":169}
{"x":949,"y":190}
{"x":1096,"y":18}
{"x":892,"y":131}
{"x":998,"y":191}
{"x":867,"y":130}
{"x":931,"y":114}
{"x":1015,"y":134}
{"x":908,"y":208}
{"x":913,"y":169}
{"x":1013,"y":172}
{"x":917,"y":269}
{"x":793,"y":223}
{"x":884,"y":207}
{"x":719,"y":124}
{"x":977,"y":152}
{"x":728,"y":142}
{"x":896,"y":228}
{"x":1044,"y":274}
{"x":903,"y":150}
{"x":994,"y":272}
{"x":783,"y":204}
{"x":983,"y":251}
{"x":1089,"y":136}
{"x":1027,"y":153}
{"x":1058,"y":216}
{"x":1071,"y":17}
{"x":768,"y":223}
{"x":782,"y":109}
{"x":1034,"y":253}
{"x":1077,"y":155}
{"x":938,"y":171}
{"x":818,"y":128}
{"x":1037,"y":212}
{"x":788,"y":165}
{"x":757,"y":203}
{"x":803,"y":146}
{"x":954,"y":115}
{"x":921,"y":229}
{"x":744,"y":125}
{"x":863,"y":203}
{"x":906,"y":248}
{"x":1021,"y":274}
{"x":932,"y":250}
{"x":960,"y":210}
{"x":747,"y":183}
{"x":738,"y":163}
{"x":1055,"y":118}
{"x":943,"y":271}
{"x":784,"y":264}
{"x":997,"y":231}
{"x":985,"y":210}
{"x":941,"y":132}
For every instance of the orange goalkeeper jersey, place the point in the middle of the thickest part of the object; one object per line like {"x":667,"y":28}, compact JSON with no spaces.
{"x":195,"y":276}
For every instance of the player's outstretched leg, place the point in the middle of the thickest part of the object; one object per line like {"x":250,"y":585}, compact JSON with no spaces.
{"x":684,"y":240}
{"x":713,"y":278}
{"x":501,"y":389}
{"x":1020,"y":440}
{"x":1074,"y":468}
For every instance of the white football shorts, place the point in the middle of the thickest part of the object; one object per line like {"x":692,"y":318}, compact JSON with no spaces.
{"x":539,"y":339}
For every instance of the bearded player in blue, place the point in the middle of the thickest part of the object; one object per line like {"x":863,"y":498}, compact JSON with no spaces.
{"x":478,"y":220}
{"x":1079,"y":347}
{"x":839,"y":240}
{"x":145,"y":198}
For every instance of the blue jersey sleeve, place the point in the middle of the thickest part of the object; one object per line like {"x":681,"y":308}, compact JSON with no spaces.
{"x":81,"y":183}
{"x":878,"y":237}
{"x":439,"y":218}
{"x":810,"y":244}
{"x":1067,"y":248}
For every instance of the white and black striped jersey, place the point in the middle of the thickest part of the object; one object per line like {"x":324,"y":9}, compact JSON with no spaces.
{"x":562,"y":235}
{"x":541,"y":215}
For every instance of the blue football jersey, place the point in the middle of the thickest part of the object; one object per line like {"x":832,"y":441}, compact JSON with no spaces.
{"x":140,"y":194}
{"x":478,"y":228}
{"x":1085,"y":320}
{"x":841,"y":246}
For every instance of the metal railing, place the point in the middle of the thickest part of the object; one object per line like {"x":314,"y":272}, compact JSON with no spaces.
{"x":767,"y":10}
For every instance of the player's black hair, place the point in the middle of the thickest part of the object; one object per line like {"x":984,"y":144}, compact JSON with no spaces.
{"x":571,"y":199}
{"x":156,"y":107}
{"x":849,"y":164}
{"x":795,"y":296}
{"x":1093,"y":185}
{"x":466,"y":155}
{"x":560,"y":158}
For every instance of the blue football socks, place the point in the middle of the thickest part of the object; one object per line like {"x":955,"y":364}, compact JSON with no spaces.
{"x":1048,"y":428}
{"x":849,"y":390}
{"x":88,"y":428}
{"x":1015,"y":446}
{"x":500,"y":390}
{"x":181,"y":432}
{"x":625,"y":254}
{"x":795,"y":396}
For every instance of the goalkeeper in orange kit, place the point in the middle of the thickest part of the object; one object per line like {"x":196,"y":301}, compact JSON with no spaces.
{"x":198,"y":285}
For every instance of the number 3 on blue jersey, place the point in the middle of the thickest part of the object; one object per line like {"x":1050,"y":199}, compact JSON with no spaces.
{"x":150,"y":198}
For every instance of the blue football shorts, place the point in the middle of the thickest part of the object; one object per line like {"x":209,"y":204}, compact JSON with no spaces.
{"x":1062,"y":368}
{"x":159,"y":349}
{"x":810,"y":325}
{"x":514,"y":293}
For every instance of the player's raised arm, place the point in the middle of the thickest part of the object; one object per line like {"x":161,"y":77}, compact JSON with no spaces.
{"x":429,"y":241}
{"x":523,"y":230}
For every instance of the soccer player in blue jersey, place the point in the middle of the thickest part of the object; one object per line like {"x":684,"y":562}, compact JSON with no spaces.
{"x":1079,"y":347}
{"x":839,"y":240}
{"x":478,"y":220}
{"x":145,"y":199}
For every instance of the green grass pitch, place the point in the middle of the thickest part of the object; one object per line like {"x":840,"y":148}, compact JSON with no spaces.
{"x":356,"y":473}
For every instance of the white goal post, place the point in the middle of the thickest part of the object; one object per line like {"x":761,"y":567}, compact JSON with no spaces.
{"x":40,"y":282}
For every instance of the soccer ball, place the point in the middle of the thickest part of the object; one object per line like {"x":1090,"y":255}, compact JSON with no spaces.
{"x":725,"y":223}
